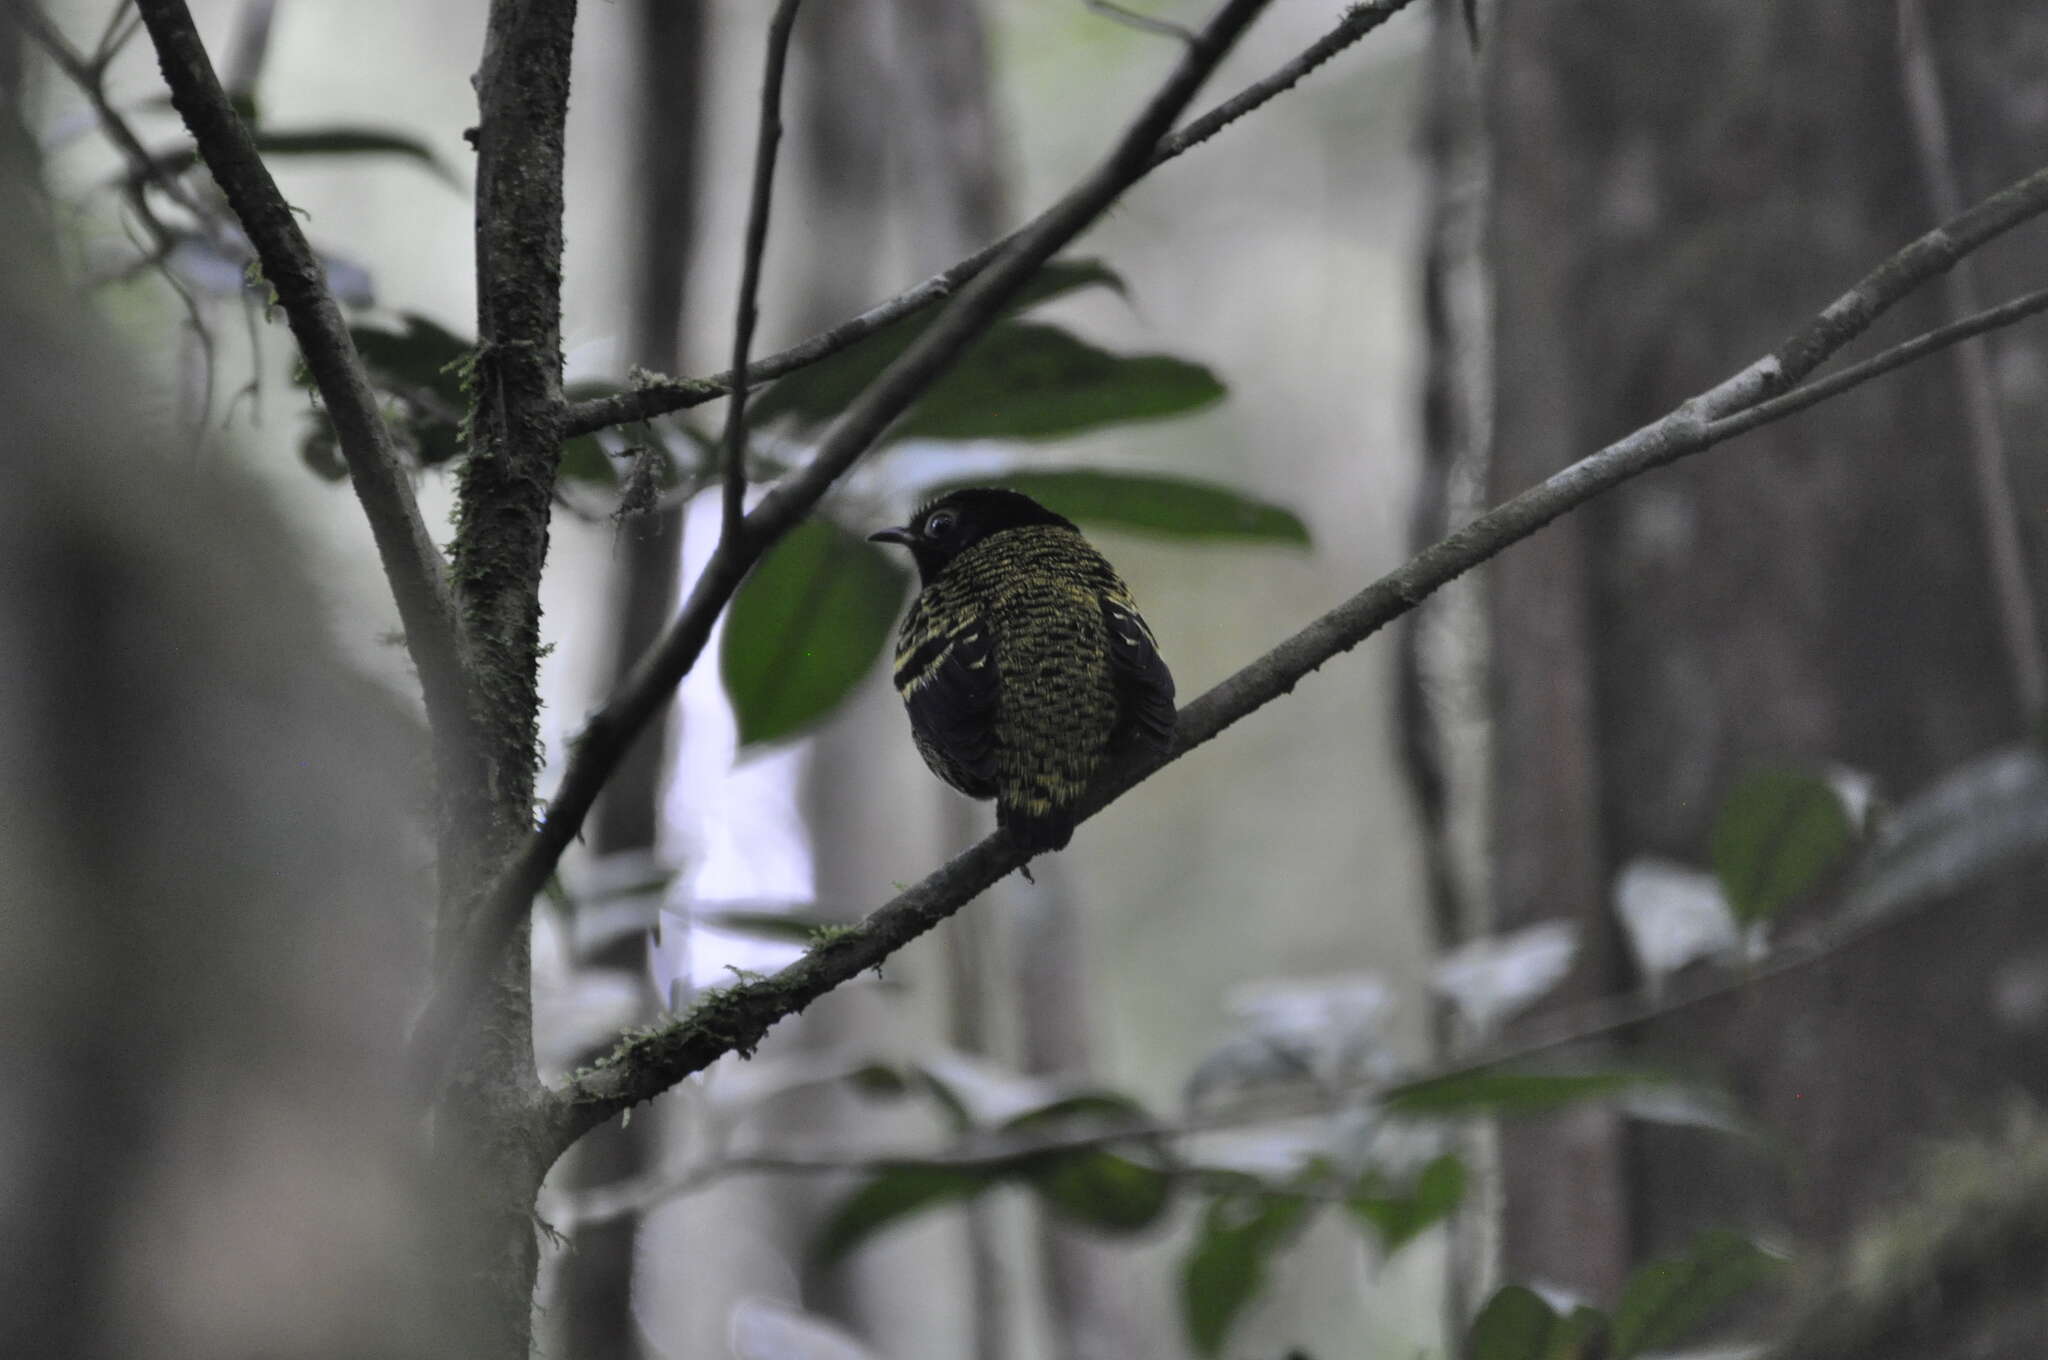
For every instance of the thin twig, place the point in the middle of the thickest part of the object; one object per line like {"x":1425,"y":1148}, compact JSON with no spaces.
{"x":779,"y":30}
{"x":2019,"y":619}
{"x":411,"y":562}
{"x":680,"y":394}
{"x":736,"y":1019}
{"x":610,"y":732}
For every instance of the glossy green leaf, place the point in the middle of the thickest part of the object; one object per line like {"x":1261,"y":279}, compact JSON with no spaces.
{"x":1501,"y":1091}
{"x":1778,"y":834}
{"x":805,"y":627}
{"x":1516,"y":1324}
{"x":887,"y":1198}
{"x":1028,"y":380}
{"x":1101,"y":1189}
{"x":814,"y":394}
{"x":1665,"y":1302}
{"x":1398,"y":1219}
{"x":1178,"y":507}
{"x":1226,"y":1267}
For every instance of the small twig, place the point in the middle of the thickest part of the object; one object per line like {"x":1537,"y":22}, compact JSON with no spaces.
{"x":411,"y":562}
{"x":605,"y":739}
{"x":736,"y":1019}
{"x":779,"y":30}
{"x":1144,"y":23}
{"x":2020,"y":620}
{"x":681,"y":394}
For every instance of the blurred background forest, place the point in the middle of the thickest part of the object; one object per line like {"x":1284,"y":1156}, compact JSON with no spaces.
{"x":1721,"y":797}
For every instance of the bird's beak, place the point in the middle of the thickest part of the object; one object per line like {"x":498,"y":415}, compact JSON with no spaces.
{"x":902,"y":536}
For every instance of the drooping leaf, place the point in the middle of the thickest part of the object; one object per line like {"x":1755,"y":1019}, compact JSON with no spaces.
{"x":1516,"y":1324}
{"x":1100,"y":1106}
{"x":1179,"y":507}
{"x":1494,"y":977}
{"x":1029,"y":380}
{"x":1979,"y":817}
{"x":352,"y":141}
{"x":1101,"y":1189}
{"x":1665,"y":1302}
{"x":1226,"y":1267}
{"x":888,"y":1197}
{"x":1398,"y":1218}
{"x":1778,"y":834}
{"x":422,"y":354}
{"x":1503,"y":1091}
{"x":805,"y":627}
{"x":822,"y":390}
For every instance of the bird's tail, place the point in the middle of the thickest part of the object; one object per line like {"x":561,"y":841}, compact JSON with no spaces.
{"x":1036,"y":831}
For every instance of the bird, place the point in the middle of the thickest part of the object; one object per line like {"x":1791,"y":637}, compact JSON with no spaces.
{"x":1023,"y":662}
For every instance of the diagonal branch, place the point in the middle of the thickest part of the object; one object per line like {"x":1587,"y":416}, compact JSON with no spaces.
{"x":779,"y":30}
{"x":736,"y":1019}
{"x":610,"y":732}
{"x":411,"y":562}
{"x":681,"y":394}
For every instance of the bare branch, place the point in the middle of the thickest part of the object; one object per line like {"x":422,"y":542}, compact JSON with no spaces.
{"x":605,"y":739}
{"x":735,"y":1019}
{"x":411,"y":562}
{"x":681,"y":394}
{"x":779,"y":30}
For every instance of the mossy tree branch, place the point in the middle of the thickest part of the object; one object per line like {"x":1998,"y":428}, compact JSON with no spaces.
{"x":735,"y":1019}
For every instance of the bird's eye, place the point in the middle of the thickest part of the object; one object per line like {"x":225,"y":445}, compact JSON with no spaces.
{"x":939,"y":525}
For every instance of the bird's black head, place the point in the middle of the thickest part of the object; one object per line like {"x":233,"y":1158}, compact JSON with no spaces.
{"x":958,"y":520}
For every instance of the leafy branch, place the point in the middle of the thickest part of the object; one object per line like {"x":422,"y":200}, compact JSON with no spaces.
{"x":666,"y":397}
{"x":735,"y":1019}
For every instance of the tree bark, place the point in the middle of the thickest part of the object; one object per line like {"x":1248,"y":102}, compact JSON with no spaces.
{"x":1677,"y":185}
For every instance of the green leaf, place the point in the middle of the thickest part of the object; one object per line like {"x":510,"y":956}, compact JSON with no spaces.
{"x":1516,"y":1324}
{"x":1104,"y":1106}
{"x":1399,"y":1219}
{"x":1100,"y":1189}
{"x":1028,"y":380}
{"x":1778,"y":834}
{"x":805,"y":627}
{"x":584,"y":460}
{"x":783,"y":927}
{"x":813,"y":395}
{"x":888,"y":1197}
{"x":1665,"y":1302}
{"x":1499,"y":1091}
{"x":1176,"y":506}
{"x":1226,"y":1267}
{"x":423,"y":355}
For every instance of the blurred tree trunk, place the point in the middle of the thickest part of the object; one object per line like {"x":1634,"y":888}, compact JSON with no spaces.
{"x":1677,"y":185}
{"x":596,"y":1314}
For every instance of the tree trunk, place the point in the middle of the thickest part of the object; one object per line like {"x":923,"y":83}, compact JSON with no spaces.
{"x":1678,"y":185}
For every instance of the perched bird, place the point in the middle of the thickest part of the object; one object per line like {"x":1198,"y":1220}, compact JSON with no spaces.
{"x":1023,"y":660}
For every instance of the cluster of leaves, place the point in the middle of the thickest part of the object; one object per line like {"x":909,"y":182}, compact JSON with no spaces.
{"x":1100,"y":1160}
{"x":1664,"y":1304}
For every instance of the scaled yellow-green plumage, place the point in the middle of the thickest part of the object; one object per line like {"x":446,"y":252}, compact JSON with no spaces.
{"x":1023,"y":661}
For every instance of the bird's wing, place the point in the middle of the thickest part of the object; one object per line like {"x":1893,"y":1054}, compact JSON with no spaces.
{"x":1143,"y":683}
{"x":949,"y":683}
